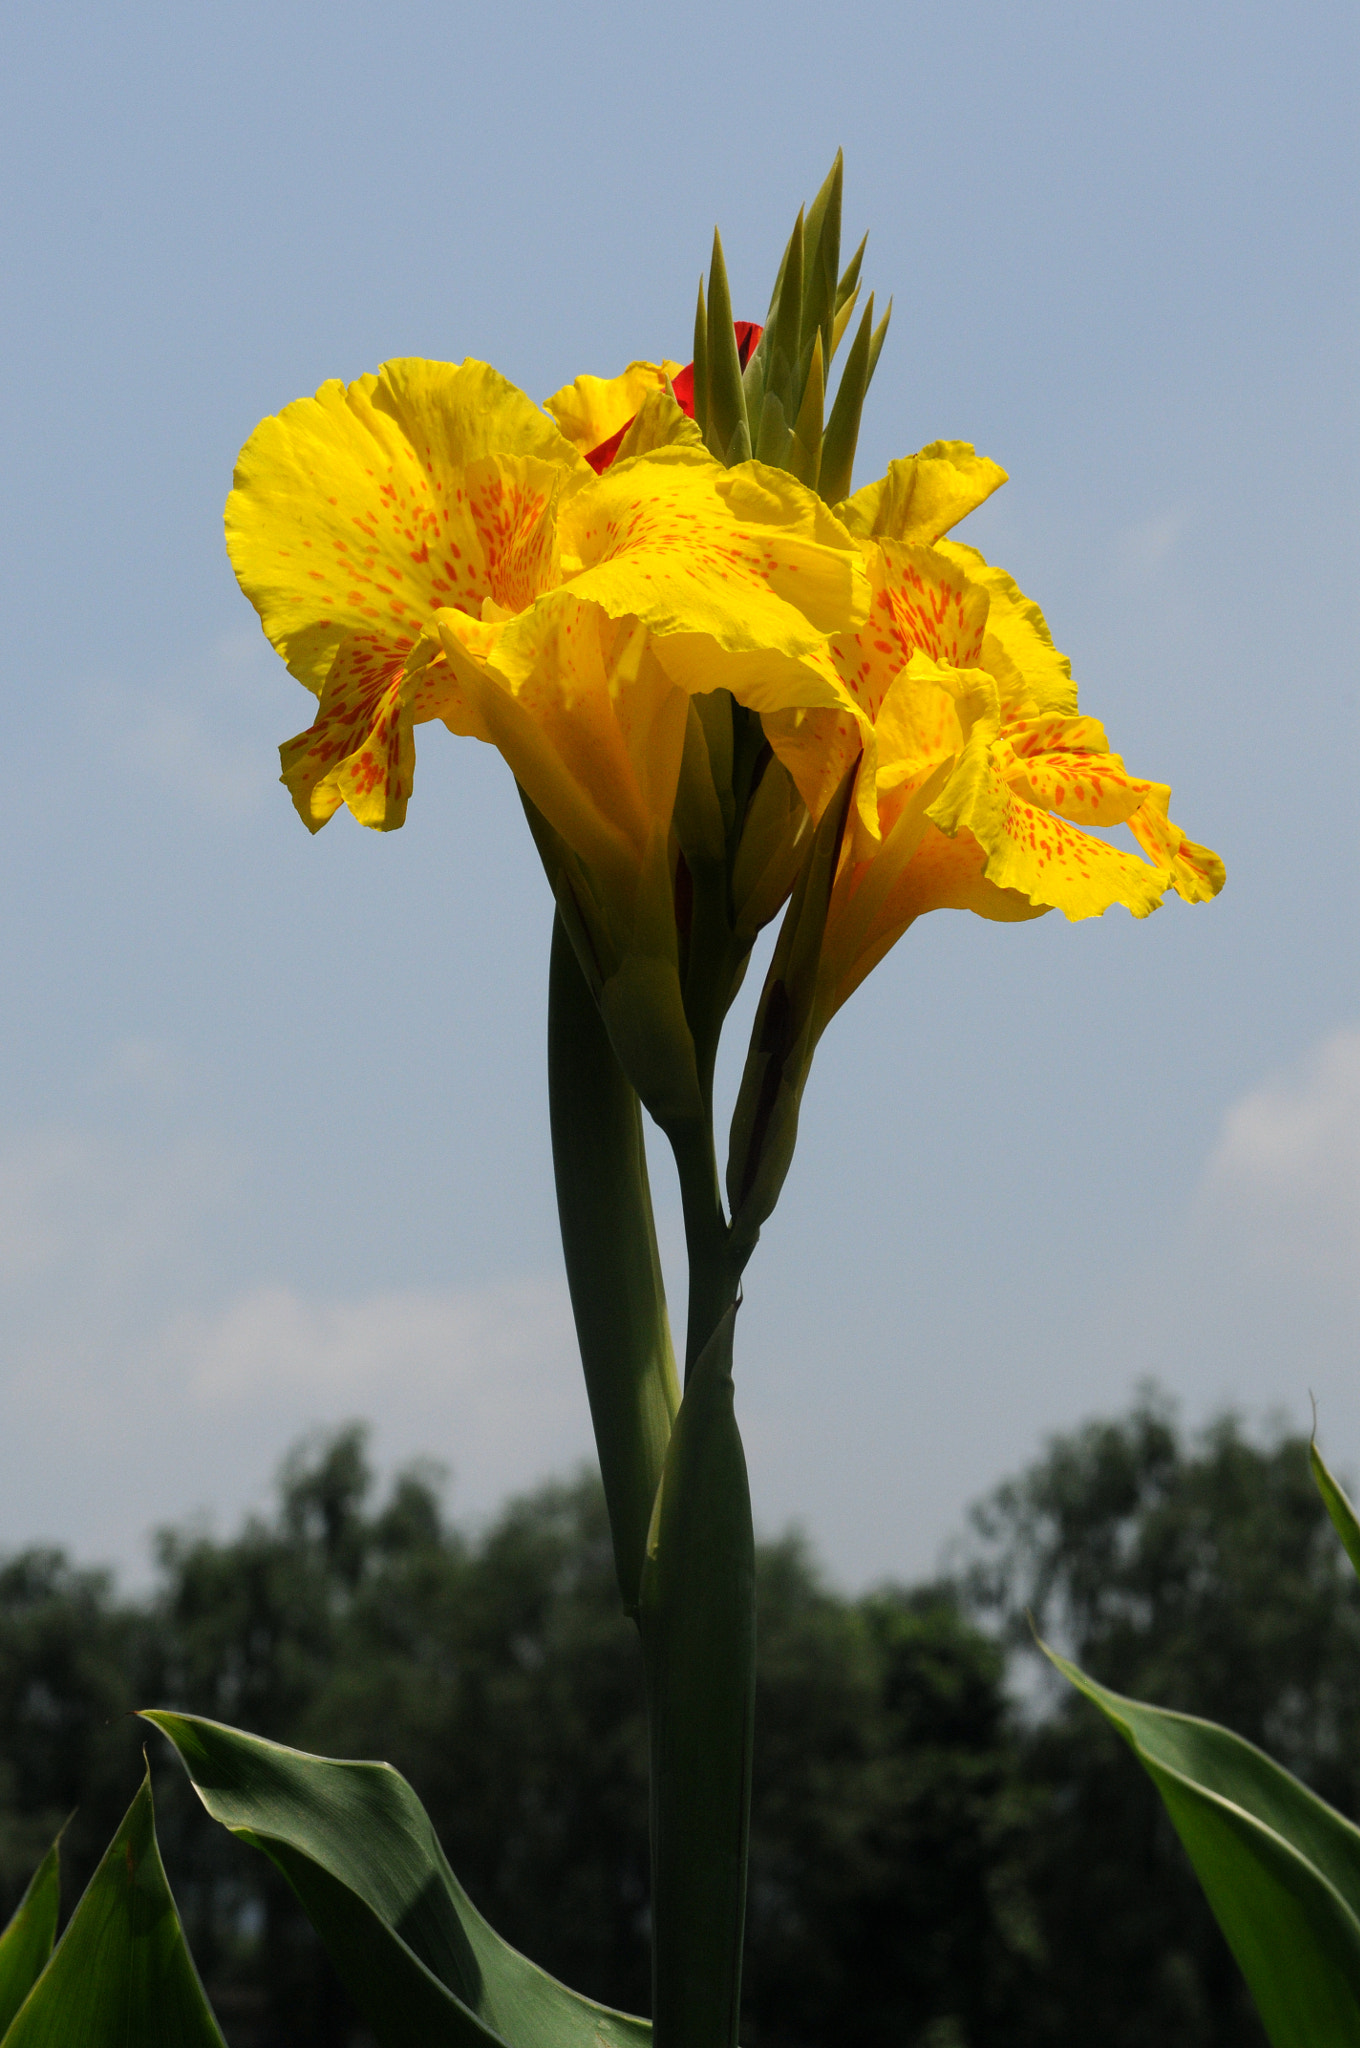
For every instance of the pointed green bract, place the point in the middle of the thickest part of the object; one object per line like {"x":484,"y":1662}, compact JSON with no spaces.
{"x":805,"y":450}
{"x":1279,"y":1867}
{"x":122,"y":1975}
{"x":842,"y":429}
{"x":27,"y":1942}
{"x":1344,"y":1519}
{"x":358,"y":1848}
{"x":701,"y":363}
{"x":698,"y":1632}
{"x":849,"y":284}
{"x":776,"y":408}
{"x":876,"y":341}
{"x":726,"y":429}
{"x":823,"y":246}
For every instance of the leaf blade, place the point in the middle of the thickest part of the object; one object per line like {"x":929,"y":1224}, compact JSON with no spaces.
{"x":358,"y":1847}
{"x":1280,"y":1869}
{"x":121,"y":1975}
{"x":27,"y":1942}
{"x":1344,"y":1518}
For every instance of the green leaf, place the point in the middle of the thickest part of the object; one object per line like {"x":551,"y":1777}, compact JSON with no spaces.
{"x":765,"y":1118}
{"x":772,"y":437}
{"x":780,"y":346}
{"x":1279,"y":1867}
{"x":805,"y":452}
{"x":698,"y":1632}
{"x":1338,"y":1507}
{"x":842,"y":429}
{"x":27,"y":1942}
{"x":613,"y":1266}
{"x":701,"y":364}
{"x":357,"y":1846}
{"x":725,"y":428}
{"x":122,"y":1975}
{"x":849,"y":283}
{"x":822,"y":243}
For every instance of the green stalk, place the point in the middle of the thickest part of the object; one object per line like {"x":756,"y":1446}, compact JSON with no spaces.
{"x":613,"y":1266}
{"x":714,"y":1269}
{"x":698,"y":1632}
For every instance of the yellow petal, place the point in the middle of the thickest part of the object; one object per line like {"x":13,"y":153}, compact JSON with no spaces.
{"x":589,"y":410}
{"x":591,"y":725}
{"x":1030,"y":850}
{"x":748,"y":557}
{"x":923,"y":495}
{"x":360,"y":751}
{"x":1018,"y":649}
{"x":923,"y":607}
{"x":658,"y":423}
{"x":1197,"y":873}
{"x":350,"y":513}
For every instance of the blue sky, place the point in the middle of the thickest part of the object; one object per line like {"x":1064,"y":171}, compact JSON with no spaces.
{"x":272,"y":1115}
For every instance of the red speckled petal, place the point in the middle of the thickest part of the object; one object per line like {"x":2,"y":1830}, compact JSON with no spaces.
{"x":360,"y":751}
{"x":350,"y":510}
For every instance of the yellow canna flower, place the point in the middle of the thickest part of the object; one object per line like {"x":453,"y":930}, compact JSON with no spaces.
{"x":965,"y":778}
{"x":978,"y":780}
{"x":426,"y":544}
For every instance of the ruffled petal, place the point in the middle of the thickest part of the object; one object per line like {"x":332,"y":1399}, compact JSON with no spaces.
{"x":1031,"y":850}
{"x":1197,"y":873}
{"x":1018,"y":648}
{"x":924,"y":608}
{"x":923,"y":495}
{"x":592,"y":409}
{"x":350,"y":514}
{"x":590,"y":724}
{"x":748,"y":557}
{"x":360,"y":751}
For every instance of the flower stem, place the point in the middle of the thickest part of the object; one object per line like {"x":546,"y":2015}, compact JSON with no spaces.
{"x":715,"y":1266}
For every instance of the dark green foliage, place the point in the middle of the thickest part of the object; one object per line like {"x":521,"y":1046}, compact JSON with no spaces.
{"x":71,"y":1661}
{"x":886,"y":1823}
{"x":121,"y":1976}
{"x":982,"y":1879}
{"x":1206,"y":1579}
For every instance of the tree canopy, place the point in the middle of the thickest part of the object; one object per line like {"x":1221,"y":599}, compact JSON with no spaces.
{"x":933,"y":1819}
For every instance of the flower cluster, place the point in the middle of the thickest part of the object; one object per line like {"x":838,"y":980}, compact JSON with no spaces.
{"x":715,"y":690}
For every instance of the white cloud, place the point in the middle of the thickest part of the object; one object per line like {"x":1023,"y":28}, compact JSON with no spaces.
{"x":484,"y":1379}
{"x":477,"y":1342}
{"x":206,"y":736}
{"x":1142,"y":549}
{"x":38,"y":1175}
{"x":96,"y":1211}
{"x":1286,"y":1168}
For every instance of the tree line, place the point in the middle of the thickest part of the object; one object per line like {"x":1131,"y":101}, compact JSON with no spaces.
{"x":935,"y":1820}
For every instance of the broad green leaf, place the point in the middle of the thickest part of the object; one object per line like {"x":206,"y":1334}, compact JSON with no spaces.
{"x":698,"y":1631}
{"x":1279,"y":1867}
{"x":1343,"y":1515}
{"x":27,"y":1942}
{"x":357,"y":1846}
{"x":121,"y":1975}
